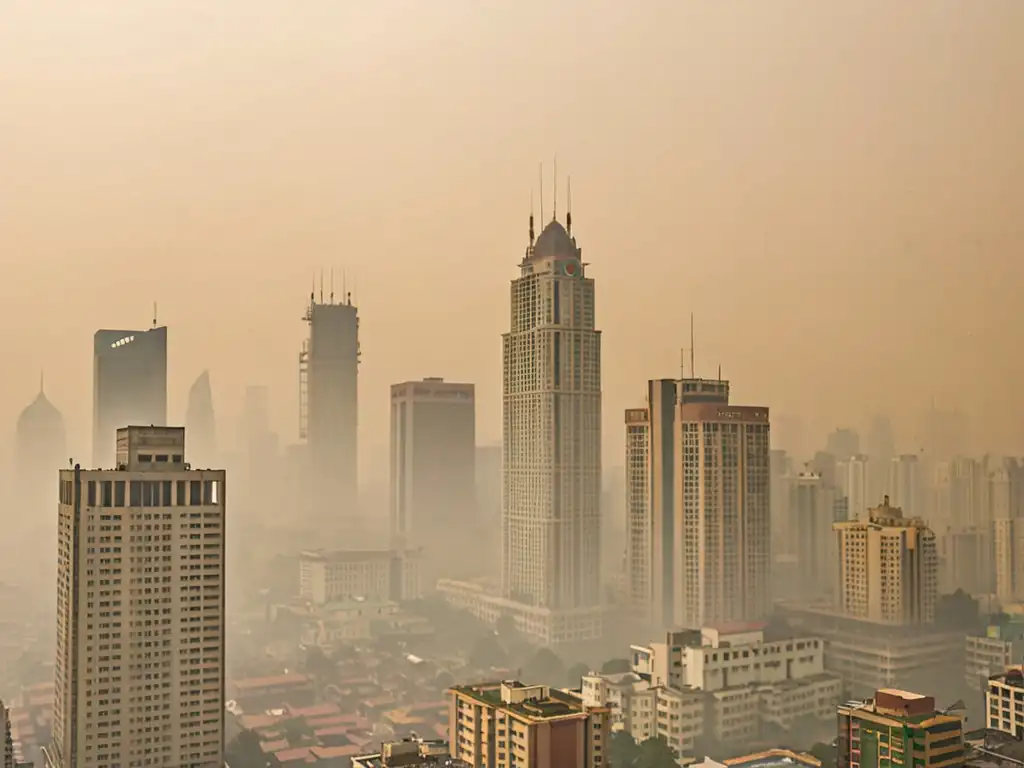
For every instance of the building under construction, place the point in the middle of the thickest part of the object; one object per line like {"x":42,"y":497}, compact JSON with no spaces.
{"x":328,"y":412}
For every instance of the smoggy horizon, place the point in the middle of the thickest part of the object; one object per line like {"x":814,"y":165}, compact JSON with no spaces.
{"x":833,"y":190}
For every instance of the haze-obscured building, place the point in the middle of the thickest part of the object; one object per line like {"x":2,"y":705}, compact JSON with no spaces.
{"x":129,"y":386}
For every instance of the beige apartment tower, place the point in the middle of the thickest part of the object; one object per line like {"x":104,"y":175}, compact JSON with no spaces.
{"x":708,"y":529}
{"x":139,"y":669}
{"x":888,"y":568}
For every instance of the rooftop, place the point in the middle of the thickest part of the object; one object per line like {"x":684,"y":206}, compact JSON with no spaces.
{"x":539,"y":702}
{"x":771,"y":758}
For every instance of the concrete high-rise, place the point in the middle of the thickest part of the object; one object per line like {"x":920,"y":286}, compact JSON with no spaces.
{"x":201,"y":423}
{"x":905,"y":484}
{"x":139,"y":668}
{"x":129,"y":386}
{"x":888,"y":568}
{"x":709,"y":505}
{"x":639,"y":545}
{"x":433,"y":456}
{"x":811,"y":505}
{"x":329,"y":400}
{"x":551,"y":382}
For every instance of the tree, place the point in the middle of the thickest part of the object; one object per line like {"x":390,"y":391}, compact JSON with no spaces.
{"x":615,"y":666}
{"x":575,"y":674}
{"x":487,"y":652}
{"x":245,"y":751}
{"x":826,"y":753}
{"x":622,"y":750}
{"x":444,"y":679}
{"x":957,"y":611}
{"x":544,"y":668}
{"x":656,"y":753}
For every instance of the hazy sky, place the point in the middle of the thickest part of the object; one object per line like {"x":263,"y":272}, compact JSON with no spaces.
{"x":834,"y":188}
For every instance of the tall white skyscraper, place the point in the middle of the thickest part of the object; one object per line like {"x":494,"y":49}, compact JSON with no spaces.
{"x":139,"y":668}
{"x":551,"y":524}
{"x":905,"y":484}
{"x":858,"y":468}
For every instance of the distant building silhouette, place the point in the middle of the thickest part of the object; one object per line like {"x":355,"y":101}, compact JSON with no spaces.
{"x":129,"y":386}
{"x":200,"y":422}
{"x":329,"y":399}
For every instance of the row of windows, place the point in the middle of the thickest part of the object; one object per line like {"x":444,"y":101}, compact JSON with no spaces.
{"x":151,"y":493}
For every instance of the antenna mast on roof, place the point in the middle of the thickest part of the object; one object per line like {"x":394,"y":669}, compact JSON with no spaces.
{"x":693,"y":373}
{"x":154,"y":314}
{"x":321,"y":285}
{"x":554,"y":189}
{"x":568,"y":207}
{"x":542,"y":191}
{"x":531,"y":218}
{"x":332,"y":285}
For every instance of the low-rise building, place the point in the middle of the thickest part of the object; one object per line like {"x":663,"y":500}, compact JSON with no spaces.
{"x":385,"y":574}
{"x":256,"y":694}
{"x":898,"y":727}
{"x":543,"y":625}
{"x":529,"y":726}
{"x":409,"y":753}
{"x":770,"y":758}
{"x":647,"y":711}
{"x":1004,"y":702}
{"x":1000,"y":647}
{"x":748,"y":681}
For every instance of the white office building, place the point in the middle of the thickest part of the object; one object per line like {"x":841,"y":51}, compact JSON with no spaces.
{"x":139,"y":669}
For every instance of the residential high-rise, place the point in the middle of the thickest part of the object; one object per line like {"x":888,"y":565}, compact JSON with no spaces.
{"x":811,"y":505}
{"x":129,"y":386}
{"x":139,"y":668}
{"x":201,"y":423}
{"x":842,"y":443}
{"x":888,"y":568}
{"x":551,"y":474}
{"x":857,"y":470}
{"x":6,"y":742}
{"x":881,"y":447}
{"x":898,"y":728}
{"x":709,"y":505}
{"x":905,"y":484}
{"x":529,"y":726}
{"x":433,"y":456}
{"x":329,"y":412}
{"x":638,"y":514}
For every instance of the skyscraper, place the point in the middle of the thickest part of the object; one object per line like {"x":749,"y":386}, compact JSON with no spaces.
{"x":433,"y":452}
{"x":551,"y":382}
{"x":709,"y":505}
{"x":139,"y":668}
{"x":905,"y":484}
{"x":638,"y":513}
{"x":329,"y":400}
{"x":201,"y":423}
{"x":129,"y":385}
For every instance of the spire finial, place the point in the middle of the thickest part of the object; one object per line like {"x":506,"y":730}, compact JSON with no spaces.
{"x":568,"y":206}
{"x":542,"y":191}
{"x":42,"y":381}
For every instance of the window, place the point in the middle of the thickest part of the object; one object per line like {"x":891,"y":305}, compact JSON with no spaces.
{"x":195,"y":493}
{"x":119,"y":493}
{"x":165,"y":500}
{"x":107,"y":494}
{"x":180,"y":493}
{"x":211,"y":492}
{"x":178,"y":458}
{"x":145,"y":458}
{"x":161,"y":458}
{"x":135,"y":493}
{"x":91,"y":493}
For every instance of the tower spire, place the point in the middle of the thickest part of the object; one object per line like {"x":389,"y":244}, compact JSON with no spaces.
{"x":42,"y":381}
{"x":554,"y":190}
{"x":542,"y":191}
{"x":568,"y":205}
{"x":531,"y":218}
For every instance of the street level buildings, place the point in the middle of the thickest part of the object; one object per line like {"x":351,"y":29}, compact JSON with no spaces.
{"x":139,"y":668}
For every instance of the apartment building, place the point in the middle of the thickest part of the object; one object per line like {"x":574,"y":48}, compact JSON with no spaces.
{"x":898,"y":728}
{"x":495,"y":725}
{"x":1004,"y":702}
{"x":647,"y":711}
{"x":1001,"y":647}
{"x":139,"y":669}
{"x":747,"y":680}
{"x":383,"y":574}
{"x":888,"y":568}
{"x":6,"y":740}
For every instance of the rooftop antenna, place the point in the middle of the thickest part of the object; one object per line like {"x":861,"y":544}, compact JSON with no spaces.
{"x":312,"y":290}
{"x":542,"y":191}
{"x":719,"y":371}
{"x":554,"y":189}
{"x":531,"y":218}
{"x":154,"y":314}
{"x":344,"y":281}
{"x":321,"y":286}
{"x":693,"y":373}
{"x":332,"y":285}
{"x":568,"y":206}
{"x":682,"y":362}
{"x":41,"y":380}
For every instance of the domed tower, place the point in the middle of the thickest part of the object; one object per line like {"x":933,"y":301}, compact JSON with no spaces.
{"x":40,"y":449}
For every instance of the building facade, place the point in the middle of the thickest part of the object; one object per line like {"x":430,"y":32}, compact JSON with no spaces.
{"x":433,"y":457}
{"x":708,"y":505}
{"x":329,"y":412}
{"x":905,"y":484}
{"x":551,"y":475}
{"x":1004,"y":701}
{"x":386,"y":574}
{"x":1001,"y":647}
{"x":129,"y":386}
{"x":888,"y":568}
{"x":898,"y":728}
{"x":529,"y":726}
{"x":139,"y":668}
{"x":638,"y":518}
